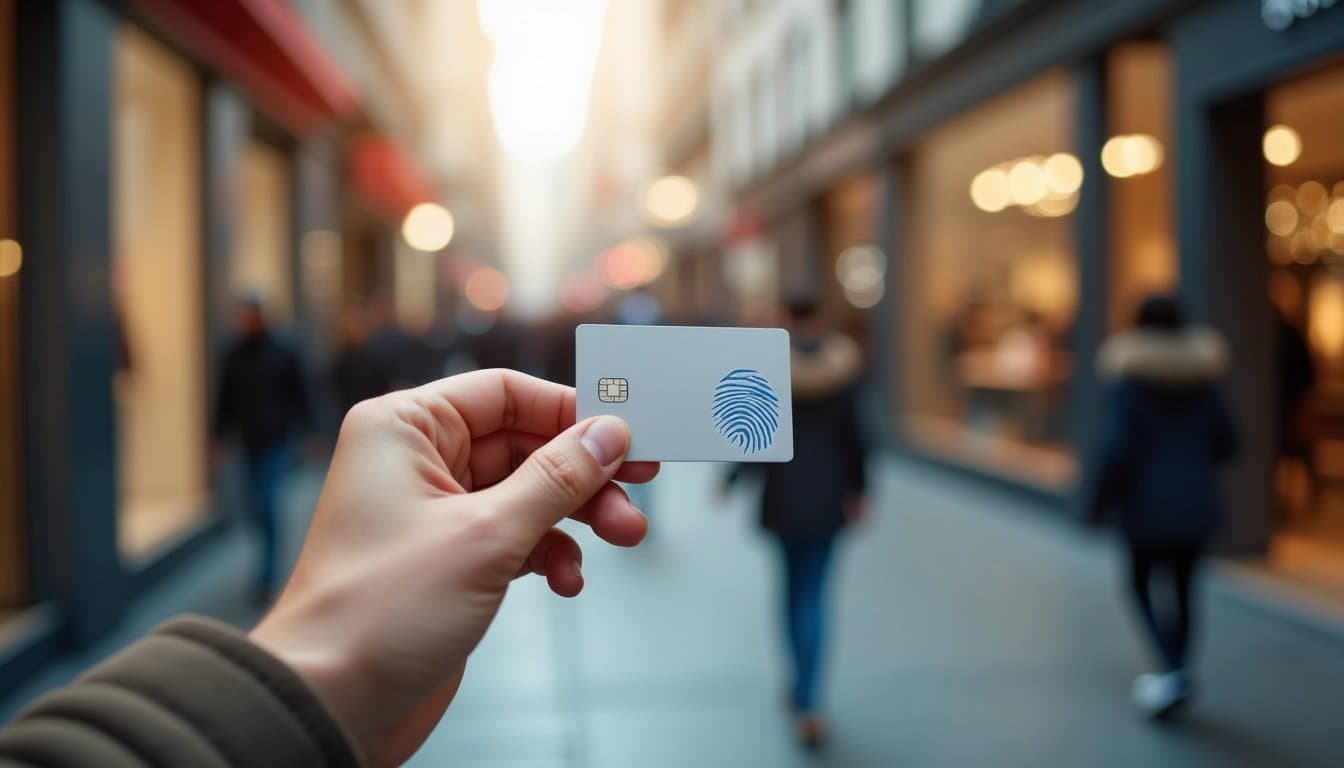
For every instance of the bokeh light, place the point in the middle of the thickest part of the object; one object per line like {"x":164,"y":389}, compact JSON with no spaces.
{"x":989,"y":190}
{"x":1130,"y":155}
{"x":1282,"y":145}
{"x":11,"y":258}
{"x":428,"y":227}
{"x":1281,"y":218}
{"x":635,"y":262}
{"x":1063,"y":174}
{"x":1026,"y":182}
{"x":1312,"y":198}
{"x":1334,"y":217}
{"x":486,"y":289}
{"x":671,"y":201}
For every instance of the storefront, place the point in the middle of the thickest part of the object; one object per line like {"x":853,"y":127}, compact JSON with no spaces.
{"x":144,"y":181}
{"x":1261,"y":247}
{"x":1040,"y":174}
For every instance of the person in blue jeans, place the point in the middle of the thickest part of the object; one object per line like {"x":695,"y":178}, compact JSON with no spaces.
{"x":807,"y":502}
{"x":263,"y":402}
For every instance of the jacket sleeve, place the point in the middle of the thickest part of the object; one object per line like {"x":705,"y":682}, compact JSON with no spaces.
{"x":192,"y":693}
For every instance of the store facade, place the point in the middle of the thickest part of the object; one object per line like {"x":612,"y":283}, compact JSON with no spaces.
{"x":148,"y":181}
{"x":1038,"y":177}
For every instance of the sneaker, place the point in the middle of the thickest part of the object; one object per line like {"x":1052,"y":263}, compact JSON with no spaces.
{"x":811,"y":732}
{"x":1161,"y":695}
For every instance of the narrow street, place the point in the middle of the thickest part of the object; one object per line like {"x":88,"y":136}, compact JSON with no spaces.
{"x":970,"y":630}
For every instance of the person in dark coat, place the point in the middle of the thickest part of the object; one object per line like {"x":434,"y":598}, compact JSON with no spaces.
{"x":1167,"y":433}
{"x":807,"y":502}
{"x":262,"y":402}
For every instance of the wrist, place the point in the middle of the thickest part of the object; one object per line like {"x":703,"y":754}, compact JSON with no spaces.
{"x":326,"y":661}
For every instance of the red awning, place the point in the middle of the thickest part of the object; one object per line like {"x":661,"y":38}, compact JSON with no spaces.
{"x":383,"y":175}
{"x":267,"y":49}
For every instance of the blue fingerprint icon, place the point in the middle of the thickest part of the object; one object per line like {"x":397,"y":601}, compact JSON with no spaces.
{"x":746,"y":410}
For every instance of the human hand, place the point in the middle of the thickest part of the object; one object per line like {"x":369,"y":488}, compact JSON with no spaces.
{"x":437,"y":498}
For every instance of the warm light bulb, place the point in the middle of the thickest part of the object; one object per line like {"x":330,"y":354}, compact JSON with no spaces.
{"x":428,"y":227}
{"x":1282,"y":145}
{"x":1063,"y":174}
{"x":1026,"y":182}
{"x":989,"y":190}
{"x":671,"y":201}
{"x":11,"y":258}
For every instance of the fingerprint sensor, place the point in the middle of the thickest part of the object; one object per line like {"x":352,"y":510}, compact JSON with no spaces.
{"x":746,"y":410}
{"x":613,"y":390}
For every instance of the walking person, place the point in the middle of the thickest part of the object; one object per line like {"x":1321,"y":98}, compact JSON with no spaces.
{"x":1167,"y":434}
{"x":807,"y":502}
{"x":263,"y":403}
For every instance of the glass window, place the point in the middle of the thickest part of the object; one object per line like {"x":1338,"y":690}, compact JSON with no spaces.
{"x":1304,"y":233}
{"x":263,"y":242}
{"x":158,"y":295}
{"x":13,"y":532}
{"x":854,"y":268}
{"x":1137,"y":158}
{"x":991,"y":284}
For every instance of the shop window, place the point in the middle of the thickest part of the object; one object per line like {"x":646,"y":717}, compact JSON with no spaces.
{"x":262,"y":265}
{"x":13,"y":532}
{"x":855,"y":268}
{"x":1304,"y":239}
{"x":1138,"y":161}
{"x":157,"y":295}
{"x":990,"y":284}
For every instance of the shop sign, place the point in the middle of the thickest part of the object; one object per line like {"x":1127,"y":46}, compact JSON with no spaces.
{"x":1281,"y":14}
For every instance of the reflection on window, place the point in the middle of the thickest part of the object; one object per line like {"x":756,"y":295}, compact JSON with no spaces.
{"x":991,"y":284}
{"x":157,"y":293}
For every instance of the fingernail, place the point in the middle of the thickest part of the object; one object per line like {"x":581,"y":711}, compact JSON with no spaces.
{"x":606,"y":439}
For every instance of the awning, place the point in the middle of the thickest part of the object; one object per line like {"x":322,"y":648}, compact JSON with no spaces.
{"x":267,"y":49}
{"x":384,"y":176}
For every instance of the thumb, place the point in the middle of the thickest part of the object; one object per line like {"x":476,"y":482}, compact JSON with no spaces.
{"x":562,"y":475}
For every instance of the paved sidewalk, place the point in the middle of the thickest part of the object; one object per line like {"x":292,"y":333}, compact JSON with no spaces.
{"x":971,"y":629}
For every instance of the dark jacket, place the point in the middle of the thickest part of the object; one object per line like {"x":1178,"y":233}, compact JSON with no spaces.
{"x":805,"y":498}
{"x":262,"y":398}
{"x":1167,"y":432}
{"x":194,"y":693}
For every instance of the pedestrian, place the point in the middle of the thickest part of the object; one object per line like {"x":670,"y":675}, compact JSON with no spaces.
{"x":806,"y":503}
{"x":352,"y":376}
{"x":263,"y":404}
{"x":1167,"y":432}
{"x":424,"y":520}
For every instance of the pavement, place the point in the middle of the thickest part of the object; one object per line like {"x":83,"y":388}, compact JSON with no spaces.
{"x":970,"y":628}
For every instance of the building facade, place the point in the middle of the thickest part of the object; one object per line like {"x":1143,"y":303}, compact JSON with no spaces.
{"x":1019,"y":175}
{"x":157,"y":159}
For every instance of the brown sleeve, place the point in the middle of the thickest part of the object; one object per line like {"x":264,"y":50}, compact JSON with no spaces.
{"x":192,"y":693}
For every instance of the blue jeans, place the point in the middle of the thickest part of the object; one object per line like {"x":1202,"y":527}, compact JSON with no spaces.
{"x":806,"y":566}
{"x":266,"y":470}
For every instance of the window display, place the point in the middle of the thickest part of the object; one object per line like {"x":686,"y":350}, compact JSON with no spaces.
{"x":990,"y":284}
{"x":158,"y":296}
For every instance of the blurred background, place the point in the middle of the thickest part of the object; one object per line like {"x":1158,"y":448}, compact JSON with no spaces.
{"x":977,"y":191}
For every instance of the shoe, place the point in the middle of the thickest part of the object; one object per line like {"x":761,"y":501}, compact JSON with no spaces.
{"x":811,"y":732}
{"x":1159,"y":696}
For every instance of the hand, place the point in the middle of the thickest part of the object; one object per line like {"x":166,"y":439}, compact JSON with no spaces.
{"x":437,"y":498}
{"x":856,"y":509}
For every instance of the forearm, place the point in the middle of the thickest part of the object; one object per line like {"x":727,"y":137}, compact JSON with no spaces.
{"x":194,"y":692}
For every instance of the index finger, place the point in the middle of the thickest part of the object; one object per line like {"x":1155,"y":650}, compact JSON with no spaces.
{"x":502,"y":399}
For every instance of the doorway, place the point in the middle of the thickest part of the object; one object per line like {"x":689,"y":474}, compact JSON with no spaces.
{"x":1304,"y":243}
